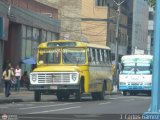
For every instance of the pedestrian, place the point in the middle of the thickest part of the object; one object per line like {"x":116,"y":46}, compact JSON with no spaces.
{"x":13,"y":79}
{"x":6,"y":76}
{"x":10,"y":67}
{"x":18,"y":77}
{"x":25,"y":79}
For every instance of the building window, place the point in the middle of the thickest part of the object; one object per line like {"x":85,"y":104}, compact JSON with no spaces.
{"x":36,"y":34}
{"x":101,"y":2}
{"x":44,"y":36}
{"x":23,"y":41}
{"x":49,"y":36}
{"x":151,"y":15}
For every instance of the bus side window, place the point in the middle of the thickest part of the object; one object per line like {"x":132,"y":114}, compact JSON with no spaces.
{"x":101,"y":57}
{"x":98,"y":56}
{"x":93,"y":56}
{"x":105,"y":56}
{"x":89,"y":55}
{"x":109,"y":57}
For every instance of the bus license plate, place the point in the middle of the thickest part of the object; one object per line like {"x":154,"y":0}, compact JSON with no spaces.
{"x":53,"y":87}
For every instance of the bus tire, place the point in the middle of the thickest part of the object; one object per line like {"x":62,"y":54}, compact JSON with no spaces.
{"x":149,"y":93}
{"x":102,"y":93}
{"x":78,"y":94}
{"x":94,"y":96}
{"x":66,"y":96}
{"x":59,"y":96}
{"x":37,"y":96}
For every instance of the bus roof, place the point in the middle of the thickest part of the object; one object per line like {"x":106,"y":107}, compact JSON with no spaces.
{"x":127,"y":57}
{"x":78,"y":44}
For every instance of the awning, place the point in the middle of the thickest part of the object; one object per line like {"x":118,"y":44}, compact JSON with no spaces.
{"x":29,"y":61}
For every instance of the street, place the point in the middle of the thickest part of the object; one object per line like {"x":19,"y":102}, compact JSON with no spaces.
{"x":113,"y":104}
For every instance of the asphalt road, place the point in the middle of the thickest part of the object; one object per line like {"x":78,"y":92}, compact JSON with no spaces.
{"x":114,"y":105}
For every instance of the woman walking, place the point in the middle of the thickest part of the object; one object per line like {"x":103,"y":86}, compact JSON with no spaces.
{"x":18,"y":77}
{"x":7,"y":75}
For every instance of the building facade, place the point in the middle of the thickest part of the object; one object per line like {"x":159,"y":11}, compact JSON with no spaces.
{"x":92,"y":21}
{"x":69,"y":13}
{"x":103,"y":17}
{"x":139,"y":27}
{"x":150,"y":30}
{"x":25,"y":26}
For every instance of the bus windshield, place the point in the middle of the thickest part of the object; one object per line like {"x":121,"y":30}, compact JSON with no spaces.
{"x":69,"y":56}
{"x":49,"y":56}
{"x":137,"y":69}
{"x":73,"y":56}
{"x":143,"y":69}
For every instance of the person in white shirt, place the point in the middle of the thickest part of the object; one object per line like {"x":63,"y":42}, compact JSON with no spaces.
{"x":18,"y":77}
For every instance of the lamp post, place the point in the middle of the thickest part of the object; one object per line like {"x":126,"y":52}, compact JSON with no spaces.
{"x":155,"y":103}
{"x":116,"y":37}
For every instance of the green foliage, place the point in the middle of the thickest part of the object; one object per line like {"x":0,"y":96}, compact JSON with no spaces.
{"x":151,"y":2}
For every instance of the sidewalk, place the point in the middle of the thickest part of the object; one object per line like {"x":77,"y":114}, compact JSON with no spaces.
{"x":17,"y":96}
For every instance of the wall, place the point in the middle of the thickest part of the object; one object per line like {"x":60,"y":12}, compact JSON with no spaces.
{"x":140,"y":25}
{"x":122,"y":39}
{"x":35,"y":6}
{"x":95,"y":28}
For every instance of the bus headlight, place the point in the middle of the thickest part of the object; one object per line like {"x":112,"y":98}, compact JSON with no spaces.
{"x":34,"y":77}
{"x":74,"y":76}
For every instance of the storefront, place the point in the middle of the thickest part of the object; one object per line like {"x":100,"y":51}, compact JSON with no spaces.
{"x":26,"y":29}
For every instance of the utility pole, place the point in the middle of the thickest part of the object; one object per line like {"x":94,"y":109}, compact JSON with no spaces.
{"x":155,"y":103}
{"x":116,"y":37}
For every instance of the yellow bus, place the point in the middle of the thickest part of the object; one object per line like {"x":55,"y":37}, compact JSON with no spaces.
{"x":67,"y":67}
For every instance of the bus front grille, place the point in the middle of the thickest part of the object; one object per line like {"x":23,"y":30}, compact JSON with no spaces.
{"x":53,"y":78}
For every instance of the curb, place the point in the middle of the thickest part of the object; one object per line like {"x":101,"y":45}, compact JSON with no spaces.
{"x":10,"y":101}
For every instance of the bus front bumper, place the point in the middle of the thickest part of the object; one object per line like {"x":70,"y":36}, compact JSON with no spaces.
{"x":134,"y":87}
{"x":53,"y":87}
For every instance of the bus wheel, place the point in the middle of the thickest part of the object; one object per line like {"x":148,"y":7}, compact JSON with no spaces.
{"x":102,"y":93}
{"x":66,"y":96}
{"x":37,"y":96}
{"x":149,"y":93}
{"x":124,"y":93}
{"x":78,"y":94}
{"x":59,"y":96}
{"x":94,"y":96}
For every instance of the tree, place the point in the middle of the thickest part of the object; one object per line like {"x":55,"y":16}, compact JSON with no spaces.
{"x":151,"y":2}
